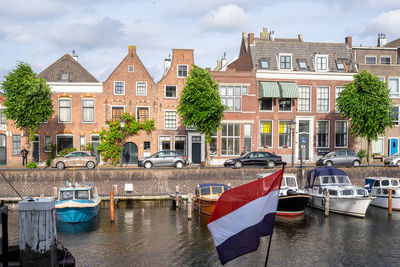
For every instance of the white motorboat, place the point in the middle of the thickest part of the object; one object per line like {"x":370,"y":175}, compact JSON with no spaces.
{"x":345,"y":198}
{"x":379,"y":188}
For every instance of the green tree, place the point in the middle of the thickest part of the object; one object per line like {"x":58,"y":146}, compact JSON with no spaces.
{"x":367,"y":104}
{"x":28,"y":99}
{"x":200,"y":104}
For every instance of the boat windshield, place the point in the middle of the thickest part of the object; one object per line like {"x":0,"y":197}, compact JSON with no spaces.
{"x":66,"y":195}
{"x":217,"y":189}
{"x":82,"y":194}
{"x":342,"y":180}
{"x":291,"y":181}
{"x":205,"y":191}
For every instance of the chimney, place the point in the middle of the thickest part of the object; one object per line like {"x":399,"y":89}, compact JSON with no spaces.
{"x":272,"y":35}
{"x":132,"y":50}
{"x":300,"y":36}
{"x":349,"y":42}
{"x":381,"y":39}
{"x":223,"y":60}
{"x":74,"y":55}
{"x":167,"y":64}
{"x":251,"y":39}
{"x":264,"y":34}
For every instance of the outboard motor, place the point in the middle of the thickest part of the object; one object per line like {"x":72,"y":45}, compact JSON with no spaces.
{"x":290,"y":192}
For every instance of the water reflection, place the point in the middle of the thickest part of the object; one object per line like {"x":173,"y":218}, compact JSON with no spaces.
{"x":154,"y":234}
{"x":76,"y":228}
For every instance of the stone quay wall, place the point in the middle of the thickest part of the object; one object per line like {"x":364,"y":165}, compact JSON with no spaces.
{"x":154,"y":182}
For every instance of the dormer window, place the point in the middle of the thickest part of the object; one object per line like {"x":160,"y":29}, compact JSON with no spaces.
{"x":285,"y":61}
{"x":340,"y":66}
{"x":321,"y":63}
{"x":264,"y":64}
{"x":303,"y":65}
{"x":64,"y":77}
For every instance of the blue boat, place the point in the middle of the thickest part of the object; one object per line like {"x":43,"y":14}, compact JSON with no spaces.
{"x":77,"y":203}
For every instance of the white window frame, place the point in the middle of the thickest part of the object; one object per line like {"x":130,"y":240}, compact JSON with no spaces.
{"x":114,"y":87}
{"x":187,"y":70}
{"x":233,"y":96}
{"x":279,"y":60}
{"x":347,"y":134}
{"x":70,"y":110}
{"x":165,"y":91}
{"x":145,"y":89}
{"x":94,"y":110}
{"x":398,"y":116}
{"x":82,"y":137}
{"x":176,"y":120}
{"x":272,"y":106}
{"x":159,"y":142}
{"x":398,"y":87}
{"x":390,"y":60}
{"x":65,"y":135}
{"x":133,"y":68}
{"x":337,"y":95}
{"x":231,"y":137}
{"x":383,"y":146}
{"x":382,"y":78}
{"x":309,"y":99}
{"x":365,"y":60}
{"x":291,"y":105}
{"x":116,"y":106}
{"x":16,"y":149}
{"x":329,"y":133}
{"x":290,"y":133}
{"x":185,"y":149}
{"x":44,"y":143}
{"x":259,"y":133}
{"x":329,"y":99}
{"x":316,"y":63}
{"x":137,"y":112}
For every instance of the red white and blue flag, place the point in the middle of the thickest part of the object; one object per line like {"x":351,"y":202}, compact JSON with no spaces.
{"x":244,"y":214}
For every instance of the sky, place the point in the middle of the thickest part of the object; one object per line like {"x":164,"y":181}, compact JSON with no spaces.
{"x":41,"y":31}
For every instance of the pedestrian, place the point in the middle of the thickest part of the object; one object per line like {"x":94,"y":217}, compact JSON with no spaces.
{"x":24,"y":153}
{"x":244,"y":151}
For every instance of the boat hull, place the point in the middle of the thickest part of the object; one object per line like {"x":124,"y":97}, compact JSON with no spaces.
{"x":207,"y":205}
{"x":382,"y":202}
{"x":76,"y":215}
{"x":350,"y":206}
{"x":292,"y":205}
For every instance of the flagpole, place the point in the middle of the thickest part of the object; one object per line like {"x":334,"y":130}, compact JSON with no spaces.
{"x":270,"y":237}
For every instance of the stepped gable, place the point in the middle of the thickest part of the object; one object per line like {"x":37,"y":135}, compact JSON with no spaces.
{"x":67,"y":65}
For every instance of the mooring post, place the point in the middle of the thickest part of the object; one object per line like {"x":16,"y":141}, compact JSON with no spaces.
{"x":112,"y":206}
{"x":37,"y":232}
{"x":55,"y":192}
{"x":327,"y":203}
{"x":177,"y":197}
{"x":190,"y":206}
{"x":390,"y":202}
{"x":4,"y":236}
{"x":73,"y":172}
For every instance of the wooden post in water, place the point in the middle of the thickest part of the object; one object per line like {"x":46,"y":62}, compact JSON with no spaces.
{"x":55,"y":192}
{"x":112,"y":206}
{"x":390,"y":202}
{"x":4,"y":236}
{"x":177,"y":197}
{"x":190,"y":206}
{"x":37,"y":232}
{"x":327,"y":203}
{"x":73,"y":172}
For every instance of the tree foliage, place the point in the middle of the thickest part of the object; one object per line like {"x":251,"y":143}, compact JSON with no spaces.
{"x":367,"y":104}
{"x":28,"y":98}
{"x":111,"y":142}
{"x":200,"y":104}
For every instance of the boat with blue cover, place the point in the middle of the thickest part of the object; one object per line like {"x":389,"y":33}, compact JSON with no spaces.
{"x":379,"y":188}
{"x":77,"y":203}
{"x":344,"y":197}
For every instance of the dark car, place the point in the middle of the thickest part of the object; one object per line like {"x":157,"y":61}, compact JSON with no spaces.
{"x":163,"y":158}
{"x":255,"y":158}
{"x":344,"y":157}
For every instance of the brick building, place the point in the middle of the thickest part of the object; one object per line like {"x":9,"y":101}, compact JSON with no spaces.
{"x":276,"y":83}
{"x":383,"y":61}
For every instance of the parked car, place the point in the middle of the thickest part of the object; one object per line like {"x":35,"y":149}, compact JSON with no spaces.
{"x":77,"y":159}
{"x":344,"y":157}
{"x":163,"y":158}
{"x":393,"y":160}
{"x":255,"y":158}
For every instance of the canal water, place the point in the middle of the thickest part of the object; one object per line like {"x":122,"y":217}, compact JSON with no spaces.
{"x":154,"y":234}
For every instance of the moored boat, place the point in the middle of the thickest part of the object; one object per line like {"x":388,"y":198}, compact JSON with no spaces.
{"x":292,"y":200}
{"x":379,"y":188}
{"x":206,"y":196}
{"x":345,"y":198}
{"x":77,"y":203}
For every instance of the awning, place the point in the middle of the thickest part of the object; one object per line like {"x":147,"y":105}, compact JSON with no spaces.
{"x":278,"y":90}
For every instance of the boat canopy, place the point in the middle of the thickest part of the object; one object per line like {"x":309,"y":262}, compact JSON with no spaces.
{"x":211,"y":185}
{"x":323,"y":171}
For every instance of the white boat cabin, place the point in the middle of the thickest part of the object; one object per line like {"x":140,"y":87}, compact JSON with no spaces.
{"x":289,"y":181}
{"x":379,"y":186}
{"x":75,"y":192}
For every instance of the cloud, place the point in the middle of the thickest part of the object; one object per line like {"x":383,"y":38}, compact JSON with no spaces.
{"x":229,"y":17}
{"x":386,"y":22}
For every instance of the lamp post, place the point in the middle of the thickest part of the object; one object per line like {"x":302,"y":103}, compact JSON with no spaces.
{"x":122,"y":124}
{"x":292,"y":125}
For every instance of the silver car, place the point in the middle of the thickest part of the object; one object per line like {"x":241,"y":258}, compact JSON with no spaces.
{"x":163,"y":158}
{"x":393,"y":160}
{"x":344,"y":157}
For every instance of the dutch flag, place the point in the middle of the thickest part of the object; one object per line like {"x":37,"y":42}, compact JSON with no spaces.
{"x":244,"y":214}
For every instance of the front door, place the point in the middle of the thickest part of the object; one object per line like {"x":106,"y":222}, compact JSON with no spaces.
{"x":3,"y":149}
{"x":394,"y":146}
{"x":196,"y":149}
{"x":304,"y":140}
{"x":130,"y":153}
{"x":36,"y":149}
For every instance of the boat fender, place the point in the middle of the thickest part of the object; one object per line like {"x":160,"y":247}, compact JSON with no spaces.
{"x":323,"y":201}
{"x":290,"y":192}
